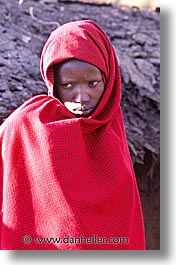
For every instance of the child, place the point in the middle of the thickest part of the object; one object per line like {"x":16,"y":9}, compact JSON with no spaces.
{"x":67,"y":180}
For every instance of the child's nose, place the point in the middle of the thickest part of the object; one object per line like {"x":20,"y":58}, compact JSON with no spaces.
{"x":81,"y":96}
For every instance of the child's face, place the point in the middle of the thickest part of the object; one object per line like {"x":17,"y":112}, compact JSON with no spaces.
{"x":79,"y":85}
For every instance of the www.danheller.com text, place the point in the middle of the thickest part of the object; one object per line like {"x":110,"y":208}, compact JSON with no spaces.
{"x":27,"y":239}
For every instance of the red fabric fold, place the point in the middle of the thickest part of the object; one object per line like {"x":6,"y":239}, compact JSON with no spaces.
{"x":64,"y":177}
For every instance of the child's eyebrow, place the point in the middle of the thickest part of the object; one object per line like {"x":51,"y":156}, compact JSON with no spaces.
{"x":95,"y":77}
{"x":65,"y":80}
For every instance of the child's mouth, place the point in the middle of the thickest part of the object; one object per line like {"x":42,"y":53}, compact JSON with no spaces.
{"x":82,"y":111}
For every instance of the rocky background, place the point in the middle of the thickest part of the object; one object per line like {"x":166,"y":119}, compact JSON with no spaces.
{"x":135,"y":34}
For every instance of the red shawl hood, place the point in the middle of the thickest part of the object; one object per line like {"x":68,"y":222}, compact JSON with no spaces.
{"x":64,"y":177}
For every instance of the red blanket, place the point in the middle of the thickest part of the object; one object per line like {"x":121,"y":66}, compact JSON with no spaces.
{"x":67,"y":182}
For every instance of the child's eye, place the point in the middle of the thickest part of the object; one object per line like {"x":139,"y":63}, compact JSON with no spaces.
{"x":65,"y":86}
{"x":93,"y":83}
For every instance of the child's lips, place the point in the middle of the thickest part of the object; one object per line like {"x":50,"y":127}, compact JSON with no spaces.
{"x":83,"y":111}
{"x":79,"y":109}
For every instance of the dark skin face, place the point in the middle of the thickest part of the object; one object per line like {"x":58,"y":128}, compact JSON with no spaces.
{"x":79,"y":86}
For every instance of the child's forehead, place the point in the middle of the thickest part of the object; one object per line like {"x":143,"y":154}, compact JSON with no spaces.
{"x":74,"y":64}
{"x":74,"y":70}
